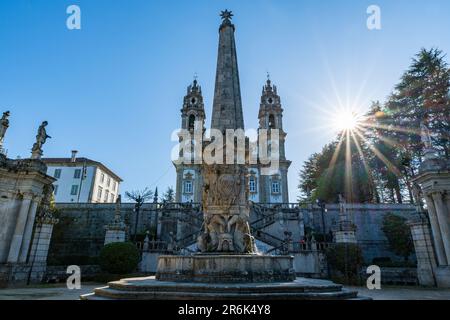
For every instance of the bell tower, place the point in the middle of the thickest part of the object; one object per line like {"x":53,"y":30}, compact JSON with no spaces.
{"x":273,"y":188}
{"x":193,"y":108}
{"x":189,"y":181}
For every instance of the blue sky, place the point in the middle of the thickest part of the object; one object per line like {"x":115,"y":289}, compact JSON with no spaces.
{"x":113,"y":90}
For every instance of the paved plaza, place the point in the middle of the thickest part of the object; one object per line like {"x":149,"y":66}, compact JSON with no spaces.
{"x":60,"y":292}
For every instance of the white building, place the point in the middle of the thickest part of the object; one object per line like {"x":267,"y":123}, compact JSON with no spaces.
{"x":82,"y":180}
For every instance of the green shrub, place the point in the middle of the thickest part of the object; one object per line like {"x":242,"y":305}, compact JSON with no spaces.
{"x":398,"y":234}
{"x":346,"y":259}
{"x":119,"y":258}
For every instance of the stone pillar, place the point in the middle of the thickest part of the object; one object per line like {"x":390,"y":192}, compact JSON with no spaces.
{"x":436,"y":231}
{"x":116,"y":231}
{"x":39,"y":248}
{"x":28,"y":232}
{"x":426,"y":261}
{"x":16,"y":242}
{"x":444,"y":222}
{"x":346,"y":230}
{"x":41,"y":242}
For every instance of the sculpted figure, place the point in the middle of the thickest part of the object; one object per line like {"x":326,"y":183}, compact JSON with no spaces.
{"x":425,"y":136}
{"x":4,"y":124}
{"x":41,"y":137}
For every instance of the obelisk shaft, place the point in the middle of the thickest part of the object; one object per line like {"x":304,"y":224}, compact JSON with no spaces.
{"x":227,"y":106}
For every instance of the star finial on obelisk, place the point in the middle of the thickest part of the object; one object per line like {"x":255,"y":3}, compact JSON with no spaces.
{"x":226,"y":15}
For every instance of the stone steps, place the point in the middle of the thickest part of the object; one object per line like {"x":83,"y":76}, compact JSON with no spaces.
{"x":151,"y":289}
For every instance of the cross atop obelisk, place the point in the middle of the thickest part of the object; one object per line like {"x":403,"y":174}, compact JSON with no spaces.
{"x":226,"y":15}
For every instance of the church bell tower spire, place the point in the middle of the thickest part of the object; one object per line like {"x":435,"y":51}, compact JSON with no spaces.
{"x":227,"y":105}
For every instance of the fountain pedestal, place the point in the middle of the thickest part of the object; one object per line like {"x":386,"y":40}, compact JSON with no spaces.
{"x":226,"y":268}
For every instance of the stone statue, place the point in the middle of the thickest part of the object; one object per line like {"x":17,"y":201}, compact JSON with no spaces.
{"x":425,"y":136}
{"x":117,"y":217}
{"x":342,"y":208}
{"x":4,"y":124}
{"x":41,"y":138}
{"x":417,"y":196}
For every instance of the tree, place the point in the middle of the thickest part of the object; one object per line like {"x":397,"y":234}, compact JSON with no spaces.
{"x":169,"y":195}
{"x":378,"y":162}
{"x":345,"y":258}
{"x":139,"y":197}
{"x":308,"y":177}
{"x":398,"y":234}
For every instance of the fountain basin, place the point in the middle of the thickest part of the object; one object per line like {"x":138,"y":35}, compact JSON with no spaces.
{"x":225,"y":268}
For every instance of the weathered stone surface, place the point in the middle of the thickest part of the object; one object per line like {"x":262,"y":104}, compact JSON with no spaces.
{"x":150,"y":289}
{"x":212,"y":268}
{"x":443,"y":277}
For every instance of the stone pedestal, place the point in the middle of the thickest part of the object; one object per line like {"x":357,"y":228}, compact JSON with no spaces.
{"x":116,"y":231}
{"x":346,"y":230}
{"x":114,"y":235}
{"x":23,"y":188}
{"x":345,"y":236}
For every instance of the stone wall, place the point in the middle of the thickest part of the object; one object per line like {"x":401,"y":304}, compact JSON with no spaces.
{"x":80,"y":233}
{"x":368,"y":219}
{"x":310,"y":264}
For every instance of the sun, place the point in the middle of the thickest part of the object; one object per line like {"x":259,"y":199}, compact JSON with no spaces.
{"x":346,"y":121}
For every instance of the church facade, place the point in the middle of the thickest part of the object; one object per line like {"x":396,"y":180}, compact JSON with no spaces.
{"x":227,"y":114}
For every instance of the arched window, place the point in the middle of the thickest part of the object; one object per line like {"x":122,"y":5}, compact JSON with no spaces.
{"x":252,"y":185}
{"x":272,"y":121}
{"x":191,"y":122}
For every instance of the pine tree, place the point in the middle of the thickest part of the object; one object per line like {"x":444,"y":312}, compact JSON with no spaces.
{"x":169,"y":195}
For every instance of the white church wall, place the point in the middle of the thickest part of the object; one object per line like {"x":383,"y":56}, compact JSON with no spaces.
{"x":66,"y":180}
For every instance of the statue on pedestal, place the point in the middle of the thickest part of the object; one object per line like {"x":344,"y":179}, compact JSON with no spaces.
{"x":425,"y":136}
{"x":41,"y":138}
{"x":4,"y":124}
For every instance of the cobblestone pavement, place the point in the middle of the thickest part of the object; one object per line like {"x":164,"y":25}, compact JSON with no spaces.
{"x":60,"y":292}
{"x":47,"y":292}
{"x":404,"y":293}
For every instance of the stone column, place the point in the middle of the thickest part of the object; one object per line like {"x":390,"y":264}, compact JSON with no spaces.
{"x":16,"y":242}
{"x":438,"y":243}
{"x":28,"y":232}
{"x":444,"y":222}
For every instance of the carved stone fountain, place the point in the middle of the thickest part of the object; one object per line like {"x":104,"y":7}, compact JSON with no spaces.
{"x":226,"y":266}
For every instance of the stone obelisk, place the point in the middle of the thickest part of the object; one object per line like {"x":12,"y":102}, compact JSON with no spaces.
{"x":225,"y":208}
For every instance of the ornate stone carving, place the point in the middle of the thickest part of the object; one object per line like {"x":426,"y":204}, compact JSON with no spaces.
{"x":226,"y":213}
{"x":45,"y":214}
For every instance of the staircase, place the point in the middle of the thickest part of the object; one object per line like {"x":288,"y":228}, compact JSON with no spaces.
{"x":151,"y":289}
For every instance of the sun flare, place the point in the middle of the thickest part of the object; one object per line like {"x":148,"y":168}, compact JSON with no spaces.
{"x":346,"y":120}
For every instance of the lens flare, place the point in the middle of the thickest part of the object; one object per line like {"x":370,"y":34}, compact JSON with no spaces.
{"x":346,"y":121}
